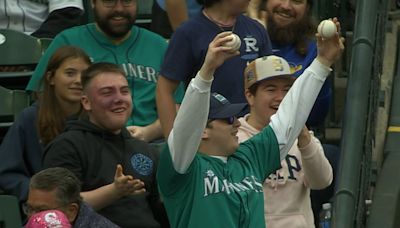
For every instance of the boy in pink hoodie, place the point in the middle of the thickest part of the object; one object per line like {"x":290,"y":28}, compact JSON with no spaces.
{"x":287,"y":192}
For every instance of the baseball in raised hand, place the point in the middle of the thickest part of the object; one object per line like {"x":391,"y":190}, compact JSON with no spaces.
{"x":330,"y":49}
{"x":327,"y":29}
{"x":234,"y":43}
{"x":217,"y":54}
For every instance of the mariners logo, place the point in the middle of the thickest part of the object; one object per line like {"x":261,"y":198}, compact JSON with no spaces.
{"x":142,"y":164}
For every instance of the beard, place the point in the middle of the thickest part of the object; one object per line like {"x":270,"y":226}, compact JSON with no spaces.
{"x":115,"y":32}
{"x":295,"y":33}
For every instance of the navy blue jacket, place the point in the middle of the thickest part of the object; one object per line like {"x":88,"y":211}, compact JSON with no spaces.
{"x":87,"y":217}
{"x":20,"y":154}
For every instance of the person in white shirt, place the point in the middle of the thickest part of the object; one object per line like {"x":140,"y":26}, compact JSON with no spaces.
{"x":40,"y":18}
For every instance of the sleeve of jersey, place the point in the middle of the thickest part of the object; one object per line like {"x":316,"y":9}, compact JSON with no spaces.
{"x":35,"y":80}
{"x":262,"y":151}
{"x":178,"y":61}
{"x":321,"y":107}
{"x":178,"y":156}
{"x":60,"y":4}
{"x":296,"y":106}
{"x":62,"y":152}
{"x":189,"y":124}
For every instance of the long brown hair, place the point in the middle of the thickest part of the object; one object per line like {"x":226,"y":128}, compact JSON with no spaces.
{"x":51,"y":119}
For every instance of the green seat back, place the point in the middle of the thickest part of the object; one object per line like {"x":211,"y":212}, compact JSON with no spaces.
{"x":9,"y":212}
{"x":143,"y":18}
{"x":44,"y":43}
{"x":18,"y":50}
{"x":12,"y":102}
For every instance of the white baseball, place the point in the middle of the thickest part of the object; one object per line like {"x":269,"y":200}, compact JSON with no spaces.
{"x":234,"y":43}
{"x":327,"y":28}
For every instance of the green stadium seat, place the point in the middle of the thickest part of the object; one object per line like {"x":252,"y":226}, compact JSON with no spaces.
{"x":12,"y":102}
{"x":44,"y":43}
{"x":21,"y":51}
{"x":9,"y":212}
{"x":143,"y":18}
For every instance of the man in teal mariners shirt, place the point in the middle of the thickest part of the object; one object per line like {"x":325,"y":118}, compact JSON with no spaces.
{"x":205,"y":177}
{"x":114,"y":38}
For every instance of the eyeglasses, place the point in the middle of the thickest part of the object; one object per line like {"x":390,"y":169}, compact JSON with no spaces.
{"x":113,"y":3}
{"x":229,"y":120}
{"x":29,"y":210}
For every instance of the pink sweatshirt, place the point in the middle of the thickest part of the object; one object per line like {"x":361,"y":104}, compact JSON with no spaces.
{"x":287,"y":198}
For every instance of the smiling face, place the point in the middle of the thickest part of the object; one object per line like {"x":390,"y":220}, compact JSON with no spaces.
{"x":266,"y":99}
{"x":108,"y":101}
{"x":115,"y":21}
{"x":286,"y":12}
{"x":222,"y":136}
{"x":67,"y":80}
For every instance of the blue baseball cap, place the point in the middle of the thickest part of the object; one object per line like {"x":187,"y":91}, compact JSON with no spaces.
{"x":221,"y":108}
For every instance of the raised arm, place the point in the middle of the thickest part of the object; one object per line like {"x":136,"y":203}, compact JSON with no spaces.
{"x":190,"y":122}
{"x":296,"y":106}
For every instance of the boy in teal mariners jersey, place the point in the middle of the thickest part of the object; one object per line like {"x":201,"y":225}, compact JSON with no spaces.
{"x":114,"y":38}
{"x":205,"y":177}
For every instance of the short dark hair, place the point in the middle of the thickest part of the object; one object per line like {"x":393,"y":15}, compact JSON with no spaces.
{"x":63,"y":181}
{"x":253,"y":88}
{"x":98,"y":68}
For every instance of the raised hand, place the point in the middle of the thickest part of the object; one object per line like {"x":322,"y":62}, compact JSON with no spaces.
{"x":304,"y":137}
{"x":330,"y":50}
{"x":139,"y":132}
{"x":125,"y":184}
{"x":216,"y":55}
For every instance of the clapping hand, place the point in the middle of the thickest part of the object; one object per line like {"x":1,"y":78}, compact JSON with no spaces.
{"x":126,"y":185}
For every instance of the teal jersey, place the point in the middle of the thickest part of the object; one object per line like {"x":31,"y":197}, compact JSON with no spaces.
{"x":213,"y":193}
{"x":140,"y":56}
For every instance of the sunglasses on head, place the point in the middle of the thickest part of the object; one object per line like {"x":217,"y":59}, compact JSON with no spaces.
{"x":229,"y":120}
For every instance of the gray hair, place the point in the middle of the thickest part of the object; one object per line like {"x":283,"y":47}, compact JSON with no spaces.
{"x":66,"y":184}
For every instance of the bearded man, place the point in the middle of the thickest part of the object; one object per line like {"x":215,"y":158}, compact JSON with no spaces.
{"x":291,"y":30}
{"x":114,"y":38}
